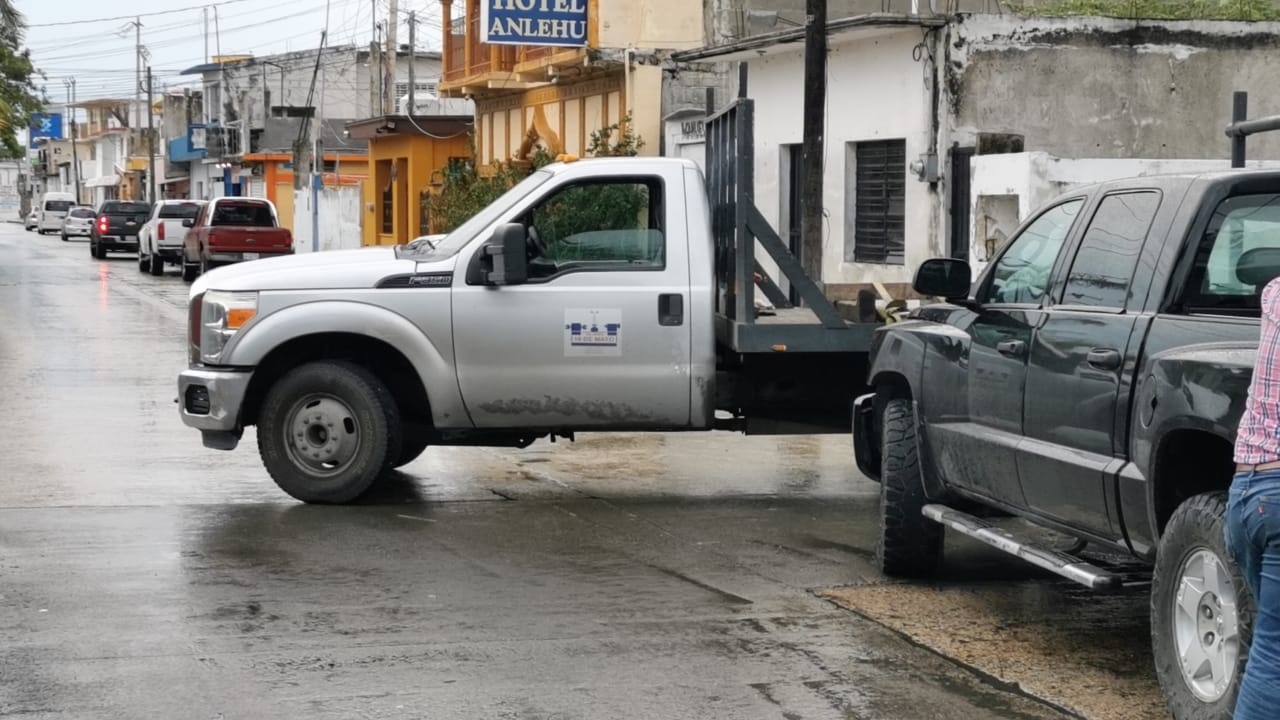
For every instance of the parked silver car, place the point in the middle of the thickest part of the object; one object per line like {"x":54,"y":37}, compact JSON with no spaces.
{"x":32,"y":219}
{"x":78,"y":223}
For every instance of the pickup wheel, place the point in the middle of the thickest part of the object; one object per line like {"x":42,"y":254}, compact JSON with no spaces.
{"x":1201,"y":613}
{"x":326,"y":431}
{"x":156,"y":264}
{"x":910,"y":544}
{"x":205,"y":265}
{"x":189,"y":269}
{"x":414,"y":444}
{"x":144,"y":261}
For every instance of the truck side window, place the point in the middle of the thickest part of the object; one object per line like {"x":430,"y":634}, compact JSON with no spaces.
{"x":599,"y":225}
{"x":1237,"y":256}
{"x":1021,"y":275}
{"x":1108,"y":254}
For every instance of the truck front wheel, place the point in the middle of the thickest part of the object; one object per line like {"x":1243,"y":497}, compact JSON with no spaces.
{"x":327,"y":431}
{"x":1201,"y":613}
{"x":910,"y":544}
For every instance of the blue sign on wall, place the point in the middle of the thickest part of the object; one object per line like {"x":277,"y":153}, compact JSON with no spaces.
{"x":45,"y":126}
{"x":534,"y":22}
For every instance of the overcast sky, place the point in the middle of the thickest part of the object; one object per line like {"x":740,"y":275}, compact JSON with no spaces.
{"x":99,"y":52}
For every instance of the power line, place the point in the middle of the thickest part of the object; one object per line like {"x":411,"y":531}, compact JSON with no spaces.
{"x":134,"y":15}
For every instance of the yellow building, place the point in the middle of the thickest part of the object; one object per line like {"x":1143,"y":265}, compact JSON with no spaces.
{"x":404,"y":155}
{"x":557,"y":71}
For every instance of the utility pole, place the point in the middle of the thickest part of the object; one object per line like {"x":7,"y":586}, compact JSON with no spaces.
{"x":75,"y":157}
{"x":151,"y":142}
{"x":205,"y":12}
{"x":137,"y":83}
{"x":393,"y":22}
{"x":815,"y":102}
{"x":413,"y":58}
{"x":375,"y":65}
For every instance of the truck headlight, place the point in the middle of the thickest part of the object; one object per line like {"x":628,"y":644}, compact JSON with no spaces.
{"x":222,"y":314}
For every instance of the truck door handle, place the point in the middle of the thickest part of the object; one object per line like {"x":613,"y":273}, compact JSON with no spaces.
{"x":1104,"y":358}
{"x":671,"y":309}
{"x":1011,"y":348}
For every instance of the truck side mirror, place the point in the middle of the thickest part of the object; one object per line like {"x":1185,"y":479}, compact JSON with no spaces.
{"x":188,"y":222}
{"x":946,"y":278}
{"x":505,"y":259}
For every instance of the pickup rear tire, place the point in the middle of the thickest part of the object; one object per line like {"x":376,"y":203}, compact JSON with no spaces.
{"x":910,"y":545}
{"x":156,"y":264}
{"x":1201,"y":609}
{"x":327,"y":431}
{"x":189,"y":270}
{"x":144,"y":261}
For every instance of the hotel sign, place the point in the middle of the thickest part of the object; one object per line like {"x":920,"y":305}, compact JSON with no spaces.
{"x":534,"y":22}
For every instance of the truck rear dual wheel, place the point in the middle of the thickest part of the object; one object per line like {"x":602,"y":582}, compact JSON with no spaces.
{"x":1201,"y":613}
{"x":328,"y":430}
{"x":910,"y":545}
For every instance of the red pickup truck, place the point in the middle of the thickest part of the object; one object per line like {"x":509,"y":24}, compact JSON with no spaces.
{"x":232,"y":229}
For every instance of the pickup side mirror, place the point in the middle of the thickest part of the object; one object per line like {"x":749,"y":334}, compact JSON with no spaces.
{"x":188,"y":222}
{"x":946,"y":278}
{"x":505,"y":261}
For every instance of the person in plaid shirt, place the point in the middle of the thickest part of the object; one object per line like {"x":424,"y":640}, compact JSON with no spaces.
{"x":1252,"y":525}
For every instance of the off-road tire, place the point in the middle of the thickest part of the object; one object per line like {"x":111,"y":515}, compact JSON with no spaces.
{"x":156,"y":265}
{"x":910,"y":545}
{"x":375,"y":414}
{"x":1197,"y":524}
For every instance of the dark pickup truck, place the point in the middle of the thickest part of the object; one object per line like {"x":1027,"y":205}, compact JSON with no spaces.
{"x":1090,"y":381}
{"x":116,"y":227}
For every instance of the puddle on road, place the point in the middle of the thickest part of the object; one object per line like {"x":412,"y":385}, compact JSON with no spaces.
{"x":1086,"y":652}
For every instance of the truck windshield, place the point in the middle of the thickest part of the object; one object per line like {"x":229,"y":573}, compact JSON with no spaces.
{"x":242,"y":214}
{"x":463,"y":234}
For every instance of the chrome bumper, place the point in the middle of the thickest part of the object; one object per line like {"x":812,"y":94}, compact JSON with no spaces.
{"x":225,"y":391}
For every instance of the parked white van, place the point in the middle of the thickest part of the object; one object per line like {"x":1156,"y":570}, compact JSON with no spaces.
{"x":53,"y":209}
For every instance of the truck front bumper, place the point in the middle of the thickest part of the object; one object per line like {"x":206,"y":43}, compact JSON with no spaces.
{"x":210,"y":401}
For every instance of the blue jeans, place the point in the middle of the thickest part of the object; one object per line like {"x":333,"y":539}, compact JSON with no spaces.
{"x":1252,"y":529}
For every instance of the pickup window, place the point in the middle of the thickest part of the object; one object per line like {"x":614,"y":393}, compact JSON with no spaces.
{"x":1108,"y":255}
{"x":121,"y":207}
{"x":1021,"y":275}
{"x":599,"y":225}
{"x":179,"y":211}
{"x":1238,"y":255}
{"x":243,"y":214}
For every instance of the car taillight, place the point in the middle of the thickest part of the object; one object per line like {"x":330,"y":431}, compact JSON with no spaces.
{"x":212,"y":237}
{"x":102,"y":224}
{"x":160,"y":231}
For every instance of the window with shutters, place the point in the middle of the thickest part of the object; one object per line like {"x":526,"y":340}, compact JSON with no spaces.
{"x":875,"y":179}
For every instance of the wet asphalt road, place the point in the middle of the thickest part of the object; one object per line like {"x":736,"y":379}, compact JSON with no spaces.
{"x":636,"y":576}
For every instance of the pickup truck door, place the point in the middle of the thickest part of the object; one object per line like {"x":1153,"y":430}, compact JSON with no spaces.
{"x":1080,"y":360}
{"x":599,"y":336}
{"x":974,"y":434}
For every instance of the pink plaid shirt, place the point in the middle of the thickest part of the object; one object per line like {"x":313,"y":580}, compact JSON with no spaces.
{"x":1258,"y":440}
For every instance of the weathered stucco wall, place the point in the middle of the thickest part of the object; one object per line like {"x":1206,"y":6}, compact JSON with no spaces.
{"x":1102,"y":88}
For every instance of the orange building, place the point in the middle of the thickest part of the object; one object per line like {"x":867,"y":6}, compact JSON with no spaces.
{"x":557,"y":72}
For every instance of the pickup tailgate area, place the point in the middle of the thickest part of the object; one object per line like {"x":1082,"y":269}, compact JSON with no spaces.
{"x":231,"y":239}
{"x":124,"y":221}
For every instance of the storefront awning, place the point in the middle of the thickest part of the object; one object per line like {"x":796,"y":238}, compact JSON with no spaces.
{"x":105,"y":181}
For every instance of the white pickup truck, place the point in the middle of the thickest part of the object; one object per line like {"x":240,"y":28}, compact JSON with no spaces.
{"x":584,"y":299}
{"x":160,"y":239}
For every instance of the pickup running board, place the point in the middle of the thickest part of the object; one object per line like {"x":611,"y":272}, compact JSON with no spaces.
{"x":1068,"y":566}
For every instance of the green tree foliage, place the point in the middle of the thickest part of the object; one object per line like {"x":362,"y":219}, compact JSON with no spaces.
{"x":18,"y":95}
{"x":465,"y":190}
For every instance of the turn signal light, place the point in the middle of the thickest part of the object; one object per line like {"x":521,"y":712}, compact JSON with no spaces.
{"x":237,"y":317}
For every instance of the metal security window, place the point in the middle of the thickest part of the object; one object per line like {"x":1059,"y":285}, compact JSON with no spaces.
{"x":878,"y":176}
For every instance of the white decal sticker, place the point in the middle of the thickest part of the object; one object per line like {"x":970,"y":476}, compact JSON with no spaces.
{"x":592,"y":333}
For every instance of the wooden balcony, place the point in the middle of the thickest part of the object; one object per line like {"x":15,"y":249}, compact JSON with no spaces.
{"x":472,"y":67}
